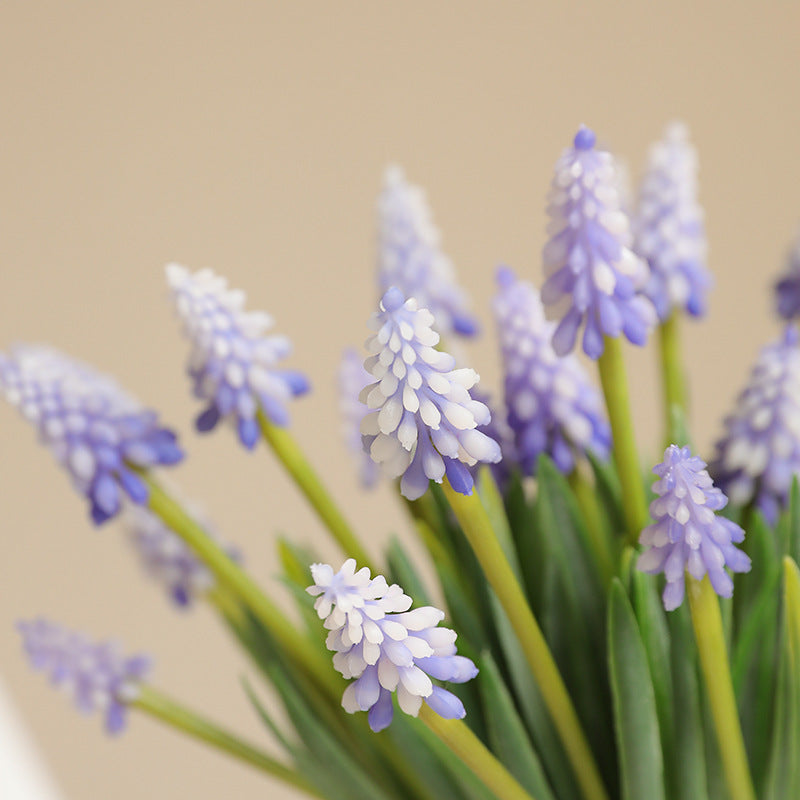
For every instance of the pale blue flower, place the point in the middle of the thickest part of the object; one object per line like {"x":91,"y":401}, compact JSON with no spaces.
{"x":386,"y":648}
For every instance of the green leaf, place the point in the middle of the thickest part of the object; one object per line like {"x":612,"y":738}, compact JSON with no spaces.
{"x":606,"y":482}
{"x":403,"y":571}
{"x":794,"y":520}
{"x":635,"y":718}
{"x":507,"y":734}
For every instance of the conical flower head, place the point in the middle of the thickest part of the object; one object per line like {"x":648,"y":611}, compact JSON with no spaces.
{"x":98,"y":676}
{"x":386,"y":648}
{"x":233,"y":363}
{"x":787,"y":289}
{"x":593,"y":277}
{"x":167,"y":559}
{"x":98,"y":432}
{"x":410,"y":256}
{"x":759,"y":454}
{"x":668,"y":227}
{"x":687,"y":534}
{"x":423,"y":422}
{"x":552,"y":407}
{"x":352,"y":379}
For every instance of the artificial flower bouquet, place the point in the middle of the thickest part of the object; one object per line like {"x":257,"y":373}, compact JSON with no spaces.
{"x":590,"y":647}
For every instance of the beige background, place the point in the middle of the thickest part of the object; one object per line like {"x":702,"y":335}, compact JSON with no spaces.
{"x":251,"y":137}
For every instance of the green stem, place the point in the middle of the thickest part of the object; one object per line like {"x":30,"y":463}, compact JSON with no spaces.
{"x":707,"y":622}
{"x":615,"y":389}
{"x":478,"y":529}
{"x":463,"y":742}
{"x":164,"y":709}
{"x":673,"y":378}
{"x":240,"y":585}
{"x":291,"y":456}
{"x":587,"y":502}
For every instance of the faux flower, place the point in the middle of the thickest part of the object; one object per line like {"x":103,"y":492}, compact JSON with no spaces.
{"x":668,"y":227}
{"x":551,"y":405}
{"x":386,"y":648}
{"x":787,"y":289}
{"x":168,"y":559}
{"x":760,"y":451}
{"x":97,"y":431}
{"x":593,"y":277}
{"x":352,"y":379}
{"x":233,"y":363}
{"x":410,"y":256}
{"x":97,"y":675}
{"x":422,"y":422}
{"x":687,"y":534}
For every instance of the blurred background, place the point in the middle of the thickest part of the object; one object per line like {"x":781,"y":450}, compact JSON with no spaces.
{"x":251,"y":138}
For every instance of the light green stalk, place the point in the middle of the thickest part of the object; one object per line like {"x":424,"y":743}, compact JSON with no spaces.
{"x":297,"y":465}
{"x":587,"y":502}
{"x":615,"y":389}
{"x":673,"y":378}
{"x":463,"y":742}
{"x":167,"y":711}
{"x":708,"y":632}
{"x":478,"y":529}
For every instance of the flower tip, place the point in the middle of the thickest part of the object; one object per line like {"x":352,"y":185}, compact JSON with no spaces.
{"x":392,"y":299}
{"x":585,"y":138}
{"x":504,"y":276}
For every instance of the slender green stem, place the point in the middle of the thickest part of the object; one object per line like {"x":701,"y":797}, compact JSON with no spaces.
{"x":240,"y":585}
{"x":615,"y":389}
{"x":466,"y":745}
{"x":478,"y":529}
{"x":291,"y":456}
{"x":673,"y":378}
{"x":587,"y":502}
{"x":710,"y":638}
{"x":166,"y":710}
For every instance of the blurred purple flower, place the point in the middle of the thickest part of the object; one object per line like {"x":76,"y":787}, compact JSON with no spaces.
{"x":787,"y":288}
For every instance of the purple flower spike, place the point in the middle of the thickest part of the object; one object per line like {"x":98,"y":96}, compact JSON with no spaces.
{"x":410,"y":256}
{"x":167,"y":559}
{"x":759,"y":454}
{"x":552,"y":407}
{"x":593,"y":278}
{"x":97,"y":675}
{"x":787,"y":289}
{"x":94,"y":429}
{"x":352,"y":379}
{"x":233,"y":363}
{"x":668,"y":227}
{"x":385,"y":647}
{"x":687,"y":534}
{"x":423,"y":421}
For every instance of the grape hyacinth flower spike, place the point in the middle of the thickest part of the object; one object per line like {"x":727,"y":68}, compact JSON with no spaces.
{"x":668,"y":227}
{"x":233,"y":363}
{"x":423,"y":421}
{"x":352,"y":379}
{"x":687,"y":534}
{"x":385,"y":647}
{"x":410,"y":256}
{"x":97,"y":674}
{"x":592,"y":276}
{"x":759,"y":454}
{"x":552,"y":406}
{"x":99,"y":433}
{"x":787,"y":289}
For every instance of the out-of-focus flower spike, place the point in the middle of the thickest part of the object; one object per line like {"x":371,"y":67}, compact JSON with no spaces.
{"x":759,"y":454}
{"x":593,"y":277}
{"x":99,"y":677}
{"x":97,"y":431}
{"x":787,"y":288}
{"x":687,"y":534}
{"x":410,"y":256}
{"x":168,"y":559}
{"x":552,"y":407}
{"x":423,"y":422}
{"x":668,"y":227}
{"x":233,"y":363}
{"x":352,"y":379}
{"x":385,"y":648}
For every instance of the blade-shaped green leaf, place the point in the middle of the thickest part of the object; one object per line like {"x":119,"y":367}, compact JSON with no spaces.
{"x":635,"y":718}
